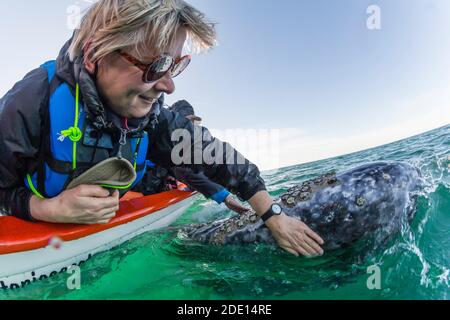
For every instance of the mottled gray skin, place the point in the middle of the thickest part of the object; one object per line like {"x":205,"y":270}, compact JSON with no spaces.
{"x":376,"y":197}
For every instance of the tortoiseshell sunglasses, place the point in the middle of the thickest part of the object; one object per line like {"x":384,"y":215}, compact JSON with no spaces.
{"x":159,"y":67}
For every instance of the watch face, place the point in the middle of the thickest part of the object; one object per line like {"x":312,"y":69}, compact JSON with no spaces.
{"x":276,"y":208}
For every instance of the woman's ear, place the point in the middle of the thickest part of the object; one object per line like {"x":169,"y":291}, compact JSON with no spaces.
{"x":90,"y":67}
{"x":88,"y":64}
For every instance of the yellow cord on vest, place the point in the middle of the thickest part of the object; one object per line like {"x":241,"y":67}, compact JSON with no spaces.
{"x":74,"y":133}
{"x":136,"y":153}
{"x":30,"y":183}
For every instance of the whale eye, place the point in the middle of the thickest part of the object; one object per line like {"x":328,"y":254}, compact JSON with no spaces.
{"x":332,"y":181}
{"x":315,"y":216}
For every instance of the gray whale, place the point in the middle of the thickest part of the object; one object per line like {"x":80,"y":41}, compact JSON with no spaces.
{"x":342,"y":208}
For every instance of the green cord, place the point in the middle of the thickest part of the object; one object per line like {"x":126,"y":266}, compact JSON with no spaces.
{"x":30,"y":183}
{"x":116,"y":187}
{"x":138,"y":144}
{"x":74,"y":133}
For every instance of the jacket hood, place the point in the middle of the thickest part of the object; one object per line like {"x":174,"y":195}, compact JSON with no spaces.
{"x":101,"y":116}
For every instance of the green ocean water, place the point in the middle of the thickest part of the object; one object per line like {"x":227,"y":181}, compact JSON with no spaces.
{"x":163,"y":265}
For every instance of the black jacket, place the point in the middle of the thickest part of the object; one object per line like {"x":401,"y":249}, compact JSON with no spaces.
{"x":24,"y":122}
{"x":197,"y":181}
{"x":156,"y":180}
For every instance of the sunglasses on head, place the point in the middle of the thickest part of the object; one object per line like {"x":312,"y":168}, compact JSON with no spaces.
{"x":159,"y":67}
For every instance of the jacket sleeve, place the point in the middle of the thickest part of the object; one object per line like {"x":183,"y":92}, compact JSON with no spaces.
{"x":21,"y":111}
{"x":229,"y":169}
{"x":201,"y":183}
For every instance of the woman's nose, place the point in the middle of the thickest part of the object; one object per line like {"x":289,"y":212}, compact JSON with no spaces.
{"x":165,"y":84}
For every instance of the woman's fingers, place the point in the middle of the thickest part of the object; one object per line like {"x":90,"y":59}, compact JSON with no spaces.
{"x":102,"y":216}
{"x":314,"y":236}
{"x":318,"y":250}
{"x":108,"y":216}
{"x":296,"y":249}
{"x":107,"y":213}
{"x":303,"y":252}
{"x":303,"y":245}
{"x":302,"y":241}
{"x":295,"y":253}
{"x":234,"y":205}
{"x":294,"y":235}
{"x":104,"y":219}
{"x":106,"y":203}
{"x":306,"y":238}
{"x":97,"y":204}
{"x":294,"y":245}
{"x":92,"y":191}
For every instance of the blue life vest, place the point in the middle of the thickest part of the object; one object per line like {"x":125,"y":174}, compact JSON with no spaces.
{"x":74,"y":145}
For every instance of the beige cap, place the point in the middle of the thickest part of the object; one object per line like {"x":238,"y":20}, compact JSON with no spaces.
{"x":114,"y":172}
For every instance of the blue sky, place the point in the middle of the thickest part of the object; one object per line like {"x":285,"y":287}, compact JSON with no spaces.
{"x":310,"y":69}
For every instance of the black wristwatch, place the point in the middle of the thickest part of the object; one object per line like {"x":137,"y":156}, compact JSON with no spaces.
{"x":274,"y":210}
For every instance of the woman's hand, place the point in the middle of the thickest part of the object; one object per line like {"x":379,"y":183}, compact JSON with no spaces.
{"x":234,"y":205}
{"x":86,"y":204}
{"x":291,"y":234}
{"x":294,"y":236}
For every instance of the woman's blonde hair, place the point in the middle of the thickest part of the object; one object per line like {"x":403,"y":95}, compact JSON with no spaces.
{"x":142,"y":26}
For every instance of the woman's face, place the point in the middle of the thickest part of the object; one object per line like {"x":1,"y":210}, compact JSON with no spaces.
{"x":121,"y":87}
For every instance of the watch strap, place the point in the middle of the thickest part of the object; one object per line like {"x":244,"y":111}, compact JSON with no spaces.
{"x":269,"y":214}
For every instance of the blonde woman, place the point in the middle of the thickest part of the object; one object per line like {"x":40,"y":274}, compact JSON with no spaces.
{"x":103,"y":98}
